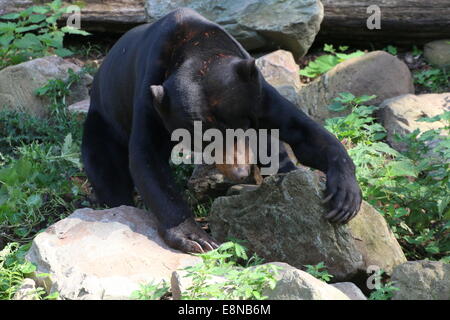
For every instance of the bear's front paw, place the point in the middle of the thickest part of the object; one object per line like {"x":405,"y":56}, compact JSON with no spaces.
{"x":344,"y":196}
{"x":188,"y":237}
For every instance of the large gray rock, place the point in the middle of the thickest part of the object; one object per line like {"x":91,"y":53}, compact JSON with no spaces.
{"x":283,"y":220}
{"x":19,"y":82}
{"x":437,"y":52}
{"x":399,"y":115}
{"x":257,"y":24}
{"x":375,"y":73}
{"x":422,"y":280}
{"x":104,"y":254}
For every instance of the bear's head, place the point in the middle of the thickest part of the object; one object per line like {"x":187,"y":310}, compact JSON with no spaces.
{"x":221,"y":92}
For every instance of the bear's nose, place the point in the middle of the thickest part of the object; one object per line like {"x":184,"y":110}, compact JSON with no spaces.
{"x":241,"y":173}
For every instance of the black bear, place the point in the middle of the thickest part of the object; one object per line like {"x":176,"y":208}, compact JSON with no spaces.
{"x":163,"y":76}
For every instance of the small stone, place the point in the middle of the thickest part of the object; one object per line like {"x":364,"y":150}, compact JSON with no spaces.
{"x":80,"y":106}
{"x":27,"y":291}
{"x":437,"y":53}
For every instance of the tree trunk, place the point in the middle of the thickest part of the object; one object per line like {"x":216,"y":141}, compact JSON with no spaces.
{"x":402,"y":21}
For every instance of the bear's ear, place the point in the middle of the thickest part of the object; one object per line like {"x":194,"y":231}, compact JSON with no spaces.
{"x":247,"y":69}
{"x":157,"y":94}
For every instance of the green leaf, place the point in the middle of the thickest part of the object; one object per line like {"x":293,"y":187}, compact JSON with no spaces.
{"x":6,"y":40}
{"x":26,"y":13}
{"x":28,"y":28}
{"x":337,"y":106}
{"x":442,"y":204}
{"x":35,"y":18}
{"x":53,"y":39}
{"x":29,"y":40}
{"x":40,"y":9}
{"x":51,"y":20}
{"x":345,"y":97}
{"x":432,"y":249}
{"x":27,"y":267}
{"x":34,"y":200}
{"x":10,"y":16}
{"x":63,"y":52}
{"x":329,"y":48}
{"x":402,"y":168}
{"x":7,"y":27}
{"x":73,"y":30}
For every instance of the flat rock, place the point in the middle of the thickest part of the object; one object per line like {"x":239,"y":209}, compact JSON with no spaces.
{"x":104,"y":254}
{"x":283,"y":220}
{"x":375,"y":73}
{"x":422,"y":280}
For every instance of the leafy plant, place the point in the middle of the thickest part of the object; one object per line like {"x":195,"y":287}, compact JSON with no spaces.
{"x":317,"y":272}
{"x":391,"y":49}
{"x":151,"y":291}
{"x":384,"y":291}
{"x":436,"y":80}
{"x":41,"y":178}
{"x":17,"y":128}
{"x":410,"y":188}
{"x":416,"y":52}
{"x":326,"y":62}
{"x":238,"y":282}
{"x":35,"y":188}
{"x":33,"y":33}
{"x":13,"y":269}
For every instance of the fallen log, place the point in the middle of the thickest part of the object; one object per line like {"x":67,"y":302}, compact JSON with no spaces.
{"x":402,"y":21}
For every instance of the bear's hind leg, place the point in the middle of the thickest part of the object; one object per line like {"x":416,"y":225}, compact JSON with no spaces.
{"x":106,"y":163}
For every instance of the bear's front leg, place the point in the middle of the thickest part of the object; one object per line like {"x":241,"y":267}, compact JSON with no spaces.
{"x":315,"y":147}
{"x":149,"y":152}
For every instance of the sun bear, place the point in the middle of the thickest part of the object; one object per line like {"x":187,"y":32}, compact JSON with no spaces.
{"x":163,"y":76}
